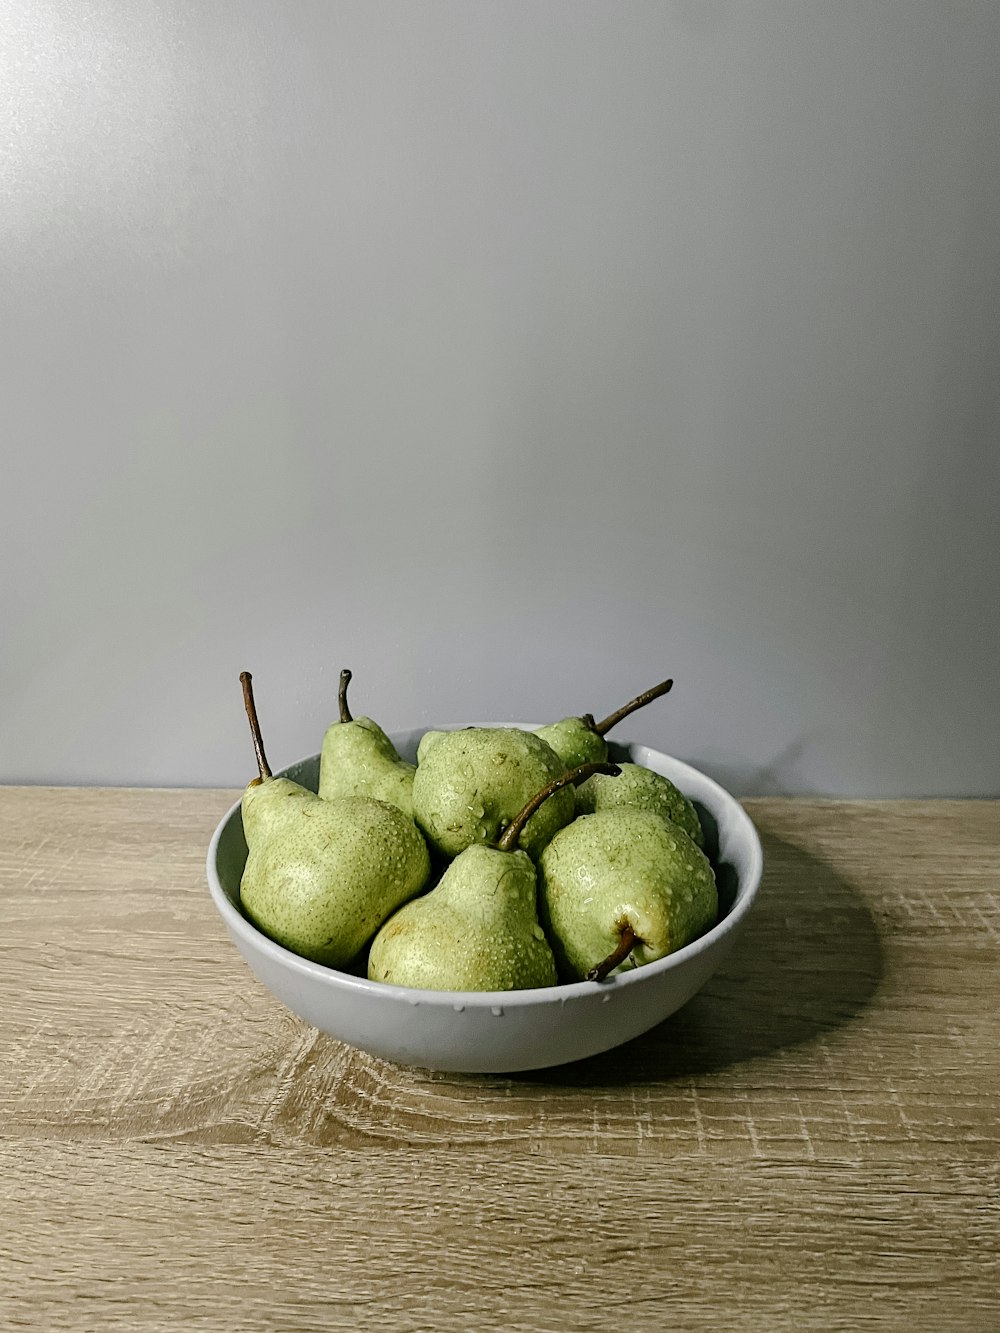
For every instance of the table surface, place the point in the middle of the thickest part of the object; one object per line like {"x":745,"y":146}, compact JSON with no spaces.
{"x":811,"y":1143}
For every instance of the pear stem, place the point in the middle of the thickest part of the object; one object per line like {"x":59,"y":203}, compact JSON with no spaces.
{"x":246,"y":680}
{"x":508,"y":840}
{"x":626,"y":942}
{"x":640,"y":701}
{"x":345,"y":680}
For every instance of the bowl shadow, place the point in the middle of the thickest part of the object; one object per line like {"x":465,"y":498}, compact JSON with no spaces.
{"x":808,"y":961}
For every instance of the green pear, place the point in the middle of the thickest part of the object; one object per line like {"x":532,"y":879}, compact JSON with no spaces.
{"x":640,"y":788}
{"x":321,"y":876}
{"x":580,"y":740}
{"x":359,"y":759}
{"x":622,"y":885}
{"x":478,"y":930}
{"x":575,"y":740}
{"x":428,"y":739}
{"x":470,"y":784}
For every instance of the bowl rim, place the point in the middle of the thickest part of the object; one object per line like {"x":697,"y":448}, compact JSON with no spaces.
{"x":749,"y":884}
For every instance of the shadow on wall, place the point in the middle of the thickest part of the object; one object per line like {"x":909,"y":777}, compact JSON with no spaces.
{"x":780,"y":776}
{"x":808,"y":961}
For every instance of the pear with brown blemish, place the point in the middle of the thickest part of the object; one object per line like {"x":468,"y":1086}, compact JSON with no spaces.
{"x":478,"y":930}
{"x":321,"y":876}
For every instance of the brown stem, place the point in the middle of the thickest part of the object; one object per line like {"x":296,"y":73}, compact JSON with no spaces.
{"x":640,"y":701}
{"x":345,"y":680}
{"x":246,"y":680}
{"x":626,"y":942}
{"x":508,"y":840}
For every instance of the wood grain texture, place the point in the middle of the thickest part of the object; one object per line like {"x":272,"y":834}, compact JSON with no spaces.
{"x":812,"y":1142}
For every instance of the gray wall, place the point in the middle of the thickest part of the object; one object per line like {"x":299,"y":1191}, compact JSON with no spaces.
{"x":515,"y":355}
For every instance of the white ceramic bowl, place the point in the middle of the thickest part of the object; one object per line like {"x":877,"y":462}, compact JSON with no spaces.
{"x":501,"y":1031}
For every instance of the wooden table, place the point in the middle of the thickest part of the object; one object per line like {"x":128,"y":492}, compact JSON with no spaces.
{"x":812,"y":1143}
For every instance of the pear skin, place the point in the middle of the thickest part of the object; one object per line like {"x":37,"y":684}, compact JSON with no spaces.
{"x":471,"y":783}
{"x":478,"y":930}
{"x":640,"y":788}
{"x":575,"y":741}
{"x":359,"y":759}
{"x":622,"y":867}
{"x":580,"y":740}
{"x":268,"y":802}
{"x":321,"y":876}
{"x":428,"y":739}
